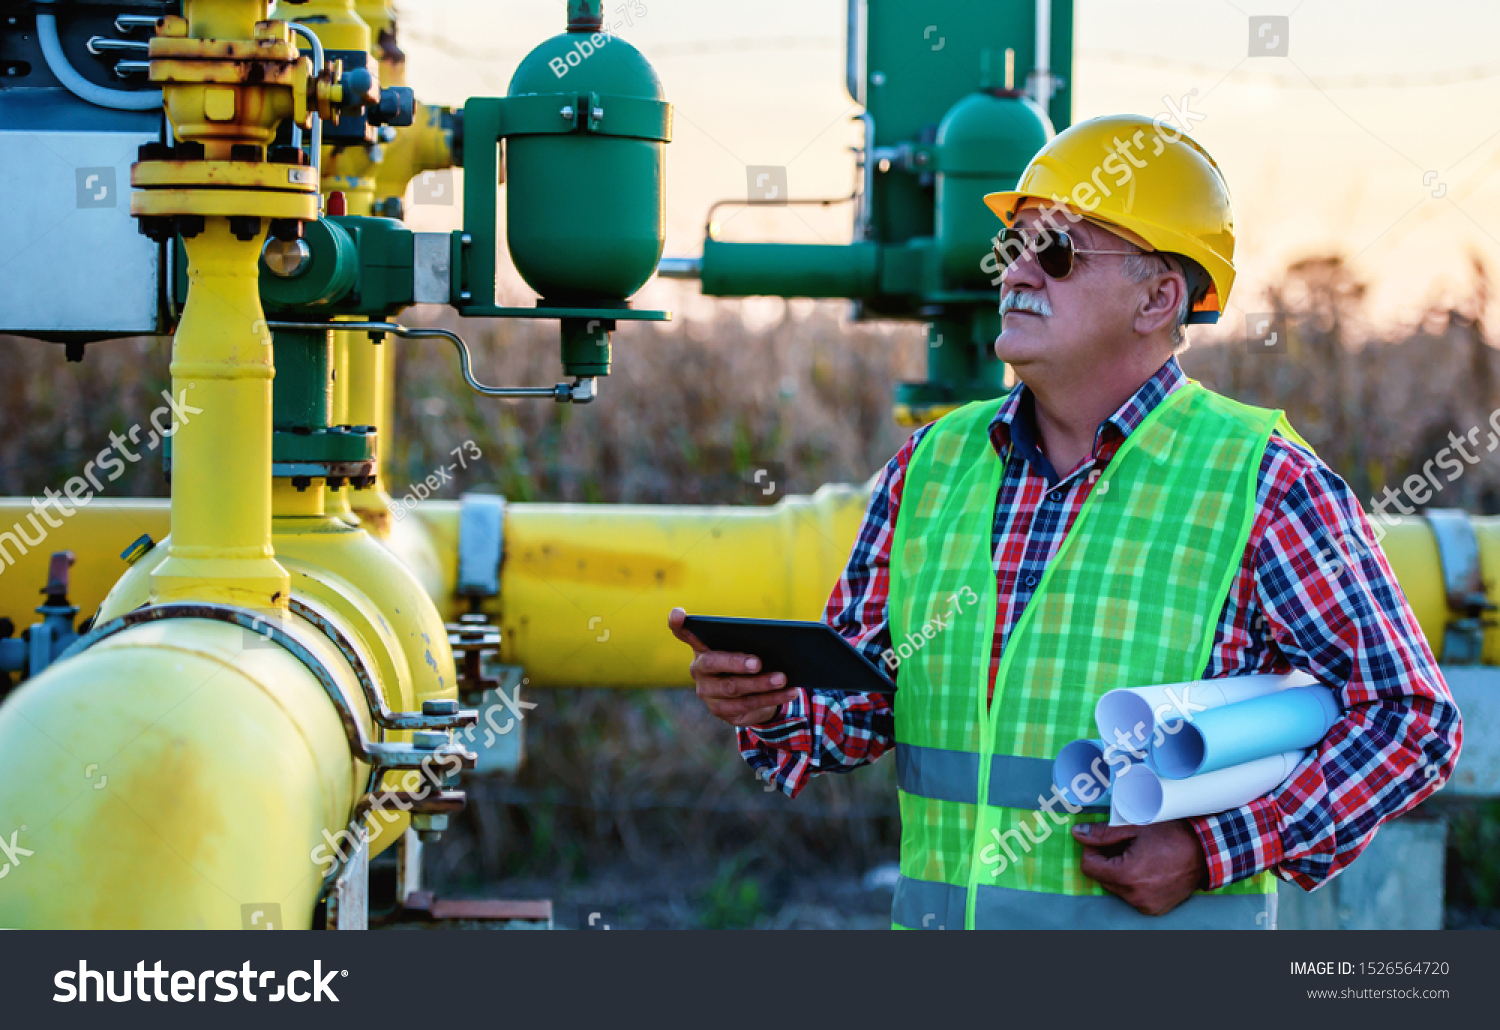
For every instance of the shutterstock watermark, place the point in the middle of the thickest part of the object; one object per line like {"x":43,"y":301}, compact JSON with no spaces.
{"x":185,"y":985}
{"x":1088,"y":787}
{"x":1115,"y":172}
{"x":1415,"y":491}
{"x":388,"y":805}
{"x":78,"y":491}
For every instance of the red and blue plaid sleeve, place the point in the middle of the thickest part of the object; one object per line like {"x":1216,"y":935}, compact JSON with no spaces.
{"x":1332,"y":606}
{"x":828,"y":730}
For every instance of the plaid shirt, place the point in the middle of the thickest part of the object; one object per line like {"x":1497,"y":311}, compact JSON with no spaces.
{"x":1345,"y":621}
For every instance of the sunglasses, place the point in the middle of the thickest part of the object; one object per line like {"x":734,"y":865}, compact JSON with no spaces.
{"x":1054,"y":250}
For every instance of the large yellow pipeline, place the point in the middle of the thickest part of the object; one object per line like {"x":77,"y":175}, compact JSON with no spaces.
{"x":168,"y":776}
{"x":585,"y":589}
{"x":630,"y":564}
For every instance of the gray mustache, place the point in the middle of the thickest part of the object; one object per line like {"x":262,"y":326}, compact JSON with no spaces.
{"x":1026,"y":300}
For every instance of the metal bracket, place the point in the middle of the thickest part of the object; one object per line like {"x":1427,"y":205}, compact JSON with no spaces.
{"x":379,"y":756}
{"x":1463,"y":581}
{"x":435,"y":715}
{"x":481,"y":544}
{"x":349,"y":894}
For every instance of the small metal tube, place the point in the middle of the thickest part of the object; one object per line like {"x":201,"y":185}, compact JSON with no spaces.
{"x":316,"y":45}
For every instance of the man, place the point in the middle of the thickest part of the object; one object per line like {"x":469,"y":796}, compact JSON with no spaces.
{"x":1108,"y":523}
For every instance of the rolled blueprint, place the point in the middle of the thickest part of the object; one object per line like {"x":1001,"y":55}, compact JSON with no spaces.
{"x":1081,"y":772}
{"x":1138,"y":712}
{"x":1141,"y":797}
{"x":1235,"y":734}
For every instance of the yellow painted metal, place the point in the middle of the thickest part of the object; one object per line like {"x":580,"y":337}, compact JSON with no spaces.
{"x":336,"y":22}
{"x":719,"y":570}
{"x":338,"y":500}
{"x":96,"y":534}
{"x":221,"y":456}
{"x":585,"y":589}
{"x":138,"y":773}
{"x":382,"y":606}
{"x":419,"y":147}
{"x":224,"y":203}
{"x":365,"y":379}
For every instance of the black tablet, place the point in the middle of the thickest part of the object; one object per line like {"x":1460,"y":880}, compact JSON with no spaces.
{"x":811,"y":654}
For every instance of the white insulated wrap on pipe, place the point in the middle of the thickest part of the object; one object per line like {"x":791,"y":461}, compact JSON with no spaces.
{"x":83,"y":89}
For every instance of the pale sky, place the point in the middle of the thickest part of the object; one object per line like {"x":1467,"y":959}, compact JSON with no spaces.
{"x":1340,"y":145}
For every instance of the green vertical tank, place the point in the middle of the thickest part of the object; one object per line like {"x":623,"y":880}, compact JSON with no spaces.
{"x":584,"y":126}
{"x":983,"y":145}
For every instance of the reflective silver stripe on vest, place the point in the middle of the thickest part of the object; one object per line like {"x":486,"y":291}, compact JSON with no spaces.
{"x":1015,"y":782}
{"x":924,"y":905}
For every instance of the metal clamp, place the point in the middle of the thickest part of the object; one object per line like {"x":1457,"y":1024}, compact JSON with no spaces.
{"x":435,"y":715}
{"x":481,"y":544}
{"x":380,"y":756}
{"x":1463,"y":581}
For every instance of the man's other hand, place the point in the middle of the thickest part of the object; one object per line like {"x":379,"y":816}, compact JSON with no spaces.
{"x":731,"y":684}
{"x":1153,"y":868}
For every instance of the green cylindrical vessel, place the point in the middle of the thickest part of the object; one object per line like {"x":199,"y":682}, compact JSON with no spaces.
{"x":983,"y":144}
{"x":585,"y":212}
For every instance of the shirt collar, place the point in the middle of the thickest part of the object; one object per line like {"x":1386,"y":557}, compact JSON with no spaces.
{"x":1014,"y":425}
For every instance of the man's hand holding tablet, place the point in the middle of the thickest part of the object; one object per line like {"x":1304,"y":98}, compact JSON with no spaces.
{"x":733,"y":685}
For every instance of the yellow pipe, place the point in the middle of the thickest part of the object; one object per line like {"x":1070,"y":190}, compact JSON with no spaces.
{"x":725,"y":572}
{"x":585,"y":589}
{"x":138,"y":774}
{"x":96,"y":534}
{"x":382,"y":606}
{"x":221,"y":453}
{"x":365,"y":374}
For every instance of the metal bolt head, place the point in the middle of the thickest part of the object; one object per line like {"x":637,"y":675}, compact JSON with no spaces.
{"x":287,"y":258}
{"x":421,"y":821}
{"x":567,"y":111}
{"x":428,"y":740}
{"x":440,"y":706}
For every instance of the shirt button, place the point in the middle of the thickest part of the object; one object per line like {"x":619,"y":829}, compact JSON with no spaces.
{"x":1031,"y":581}
{"x":1057,"y":495}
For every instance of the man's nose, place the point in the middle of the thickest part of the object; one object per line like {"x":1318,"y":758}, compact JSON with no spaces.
{"x":1023,"y":271}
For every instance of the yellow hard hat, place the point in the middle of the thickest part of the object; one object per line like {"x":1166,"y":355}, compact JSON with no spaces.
{"x":1156,"y":182}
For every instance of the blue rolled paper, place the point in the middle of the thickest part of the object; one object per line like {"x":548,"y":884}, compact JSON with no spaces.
{"x":1289,"y":720}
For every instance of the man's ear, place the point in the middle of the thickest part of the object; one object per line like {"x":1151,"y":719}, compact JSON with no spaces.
{"x":1161,"y":299}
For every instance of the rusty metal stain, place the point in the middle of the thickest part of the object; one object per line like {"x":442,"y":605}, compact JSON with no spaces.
{"x":601,"y":567}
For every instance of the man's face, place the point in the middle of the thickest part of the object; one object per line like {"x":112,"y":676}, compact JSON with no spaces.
{"x":1092,"y":311}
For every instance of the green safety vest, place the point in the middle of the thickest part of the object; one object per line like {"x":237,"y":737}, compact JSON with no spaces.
{"x":1131,"y":598}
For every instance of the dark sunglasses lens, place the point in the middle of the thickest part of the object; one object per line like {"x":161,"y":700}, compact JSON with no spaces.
{"x":1054,"y":252}
{"x":1053,"y":249}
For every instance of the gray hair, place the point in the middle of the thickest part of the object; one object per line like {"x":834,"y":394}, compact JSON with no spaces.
{"x":1144,"y":264}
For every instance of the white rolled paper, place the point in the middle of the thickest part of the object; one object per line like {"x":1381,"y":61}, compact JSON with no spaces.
{"x":1141,"y":797}
{"x":1138,"y":712}
{"x":1287,"y":720}
{"x":1082,"y":774}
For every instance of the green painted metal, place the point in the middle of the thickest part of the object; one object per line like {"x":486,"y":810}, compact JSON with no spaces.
{"x":359,"y":266}
{"x":585,"y":346}
{"x":922,"y":59}
{"x":983,"y":145}
{"x":790,"y":269}
{"x":302,"y":394}
{"x":584,"y":126}
{"x":947,"y":130}
{"x":328,"y":276}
